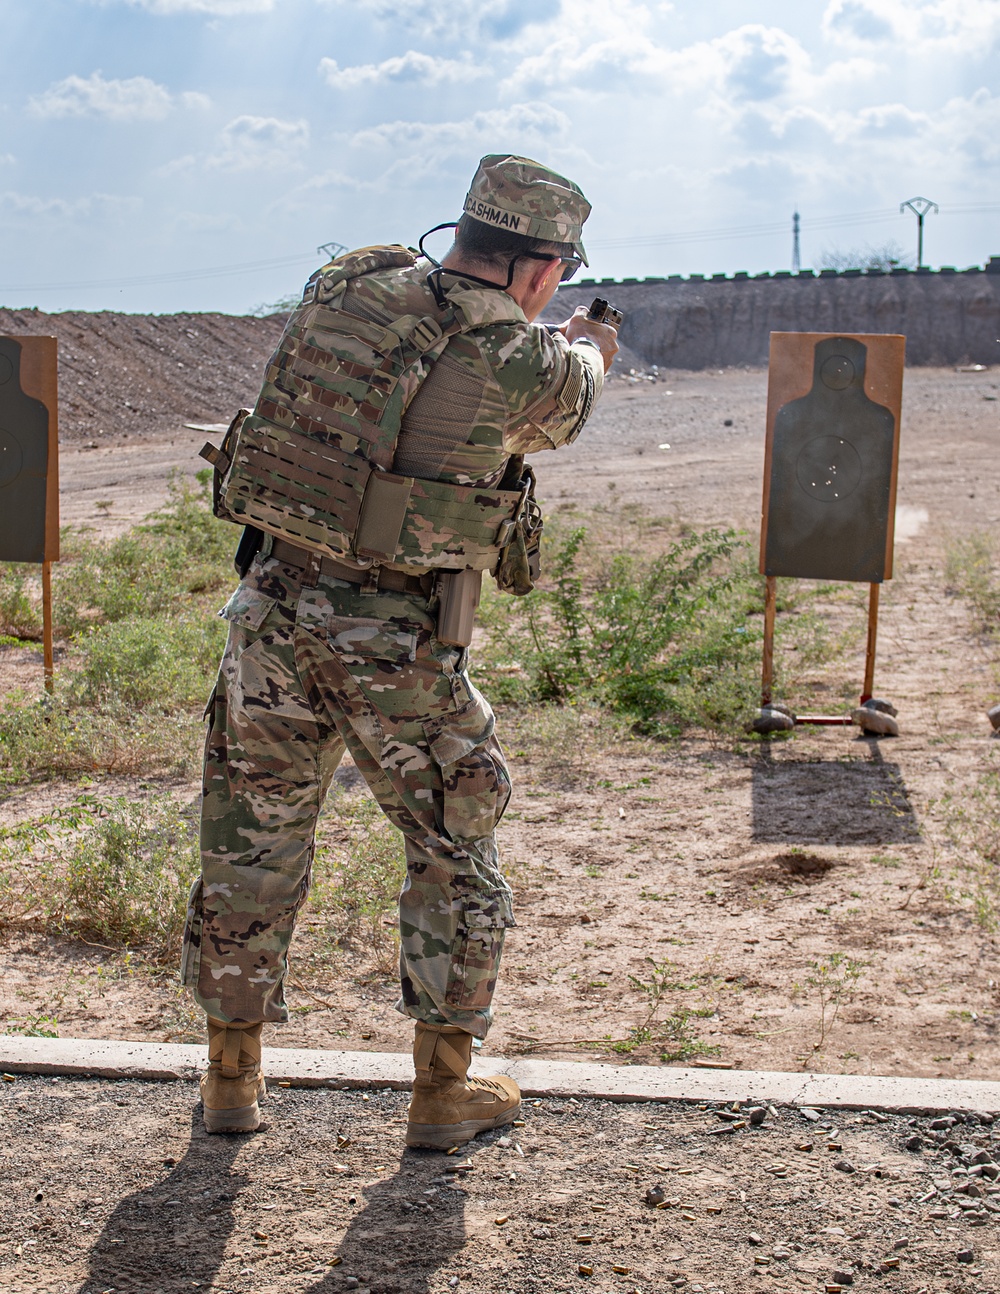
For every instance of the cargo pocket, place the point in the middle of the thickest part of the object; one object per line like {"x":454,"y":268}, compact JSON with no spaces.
{"x":191,"y":946}
{"x":389,"y":640}
{"x":475,"y":783}
{"x":487,"y":913}
{"x":247,"y":608}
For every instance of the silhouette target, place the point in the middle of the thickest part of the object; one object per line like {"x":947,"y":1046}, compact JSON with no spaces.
{"x":28,"y":524}
{"x":831,"y":486}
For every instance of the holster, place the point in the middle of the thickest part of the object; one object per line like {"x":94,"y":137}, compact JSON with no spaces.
{"x":458,"y":598}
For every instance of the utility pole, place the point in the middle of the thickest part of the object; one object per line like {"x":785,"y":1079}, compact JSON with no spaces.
{"x":796,"y":263}
{"x":331,"y":250}
{"x":920,"y":208}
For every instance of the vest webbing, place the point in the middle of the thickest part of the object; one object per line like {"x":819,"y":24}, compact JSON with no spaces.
{"x":313,"y":461}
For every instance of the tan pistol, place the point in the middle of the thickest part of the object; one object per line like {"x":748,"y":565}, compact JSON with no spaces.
{"x":604,"y":312}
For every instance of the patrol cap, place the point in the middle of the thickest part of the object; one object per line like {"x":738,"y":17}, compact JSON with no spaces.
{"x":524,"y":197}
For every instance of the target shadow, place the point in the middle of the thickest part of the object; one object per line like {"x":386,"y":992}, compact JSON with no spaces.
{"x":834,"y":802}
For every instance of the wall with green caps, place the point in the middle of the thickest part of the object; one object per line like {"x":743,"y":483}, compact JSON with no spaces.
{"x":949,"y":316}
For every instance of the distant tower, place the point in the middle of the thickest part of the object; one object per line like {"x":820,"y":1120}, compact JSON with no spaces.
{"x":920,"y":208}
{"x":796,"y":263}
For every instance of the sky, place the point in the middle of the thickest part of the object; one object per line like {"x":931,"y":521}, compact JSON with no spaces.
{"x":165,"y":155}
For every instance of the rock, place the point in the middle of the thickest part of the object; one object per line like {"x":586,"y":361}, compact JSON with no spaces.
{"x":901,"y":1243}
{"x":973,"y":1189}
{"x":655,"y":1195}
{"x":781,"y":1255}
{"x":503,"y":1141}
{"x":351,"y":1283}
{"x":754,"y":1238}
{"x":914,"y":1143}
{"x":844,"y":1166}
{"x":987,"y":1120}
{"x":883,"y":707}
{"x":757,"y":1114}
{"x":813,"y":1116}
{"x":965,"y":1256}
{"x":542,"y":1233}
{"x":769,"y":719}
{"x":993,"y":714}
{"x":843,"y":1277}
{"x":946,"y":1121}
{"x":981,"y":1157}
{"x":992,"y":1171}
{"x":874,"y":722}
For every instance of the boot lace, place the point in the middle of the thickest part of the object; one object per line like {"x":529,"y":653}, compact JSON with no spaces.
{"x":491,"y":1086}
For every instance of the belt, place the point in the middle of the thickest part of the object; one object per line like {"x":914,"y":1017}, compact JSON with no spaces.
{"x":373,"y":578}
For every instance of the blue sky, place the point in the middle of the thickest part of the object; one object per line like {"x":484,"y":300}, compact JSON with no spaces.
{"x":160,"y":155}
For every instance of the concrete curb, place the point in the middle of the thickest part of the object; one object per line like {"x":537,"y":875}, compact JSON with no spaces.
{"x":537,"y":1078}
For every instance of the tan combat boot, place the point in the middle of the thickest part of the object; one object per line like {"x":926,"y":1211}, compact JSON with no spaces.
{"x":234,"y":1083}
{"x":449,"y":1108}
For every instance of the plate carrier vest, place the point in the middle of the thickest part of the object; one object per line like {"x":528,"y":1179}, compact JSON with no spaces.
{"x":313,"y":462}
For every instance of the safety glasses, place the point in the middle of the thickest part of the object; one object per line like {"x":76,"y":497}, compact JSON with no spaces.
{"x":570,"y":264}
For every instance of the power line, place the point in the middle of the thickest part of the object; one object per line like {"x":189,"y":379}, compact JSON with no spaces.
{"x":176,"y":276}
{"x":820,"y":223}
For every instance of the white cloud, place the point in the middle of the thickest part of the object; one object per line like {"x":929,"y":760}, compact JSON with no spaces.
{"x":103,"y":205}
{"x":247,"y":143}
{"x":411,"y":68}
{"x":136,"y":98}
{"x":256,"y":141}
{"x":491,"y":19}
{"x":216,"y":8}
{"x":967,"y":26}
{"x":520,"y":126}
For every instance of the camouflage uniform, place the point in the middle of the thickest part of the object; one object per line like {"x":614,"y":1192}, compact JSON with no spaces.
{"x":315,"y":665}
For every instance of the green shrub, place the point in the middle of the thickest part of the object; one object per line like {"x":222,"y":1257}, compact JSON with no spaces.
{"x":972,"y":569}
{"x":972,"y":823}
{"x":20,"y":602}
{"x":117,"y":872}
{"x":664,"y":639}
{"x":52,"y":736}
{"x":129,"y":877}
{"x":180,"y":552}
{"x":148,"y":663}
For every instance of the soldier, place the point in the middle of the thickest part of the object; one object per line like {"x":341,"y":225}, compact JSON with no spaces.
{"x":381,"y":469}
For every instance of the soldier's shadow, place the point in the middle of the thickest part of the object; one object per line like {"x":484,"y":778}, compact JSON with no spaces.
{"x":172,"y":1235}
{"x":859,"y":801}
{"x":395,"y":1250}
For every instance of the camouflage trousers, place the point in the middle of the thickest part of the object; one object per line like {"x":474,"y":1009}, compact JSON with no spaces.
{"x":309,"y":671}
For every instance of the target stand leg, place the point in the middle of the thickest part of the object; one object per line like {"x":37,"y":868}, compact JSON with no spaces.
{"x":47,"y":654}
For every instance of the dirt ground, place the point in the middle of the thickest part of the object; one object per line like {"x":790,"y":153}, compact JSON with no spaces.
{"x":326,"y":1199}
{"x":725,"y":875}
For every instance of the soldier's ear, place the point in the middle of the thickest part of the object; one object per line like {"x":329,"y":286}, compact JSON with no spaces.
{"x":545,"y":275}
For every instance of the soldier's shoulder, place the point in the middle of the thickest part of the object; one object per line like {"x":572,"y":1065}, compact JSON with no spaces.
{"x":398,"y":290}
{"x":518,"y":352}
